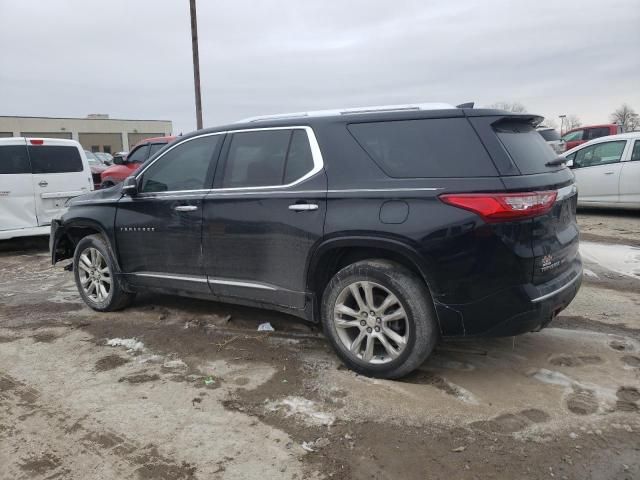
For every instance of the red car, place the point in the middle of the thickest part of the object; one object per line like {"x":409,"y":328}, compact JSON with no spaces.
{"x":579,"y":135}
{"x":124,"y":167}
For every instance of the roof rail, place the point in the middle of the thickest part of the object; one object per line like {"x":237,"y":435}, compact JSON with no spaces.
{"x":351,"y":111}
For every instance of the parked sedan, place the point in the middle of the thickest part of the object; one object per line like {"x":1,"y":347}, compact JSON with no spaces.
{"x":97,"y":167}
{"x":607,"y":171}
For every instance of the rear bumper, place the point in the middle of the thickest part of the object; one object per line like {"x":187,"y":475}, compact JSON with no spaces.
{"x":521,"y":309}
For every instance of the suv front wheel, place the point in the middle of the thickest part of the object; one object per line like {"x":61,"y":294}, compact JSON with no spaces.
{"x":379,"y":317}
{"x":93,"y":269}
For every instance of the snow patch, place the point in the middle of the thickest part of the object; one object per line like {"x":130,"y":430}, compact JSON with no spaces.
{"x":301,"y":407}
{"x":176,"y":364}
{"x":622,"y":259}
{"x":553,"y":378}
{"x":590,"y":273}
{"x":131,"y":344}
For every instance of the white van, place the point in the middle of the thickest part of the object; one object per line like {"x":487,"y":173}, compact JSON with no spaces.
{"x":37,"y":177}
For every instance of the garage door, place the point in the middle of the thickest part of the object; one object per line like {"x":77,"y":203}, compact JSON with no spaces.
{"x":101,"y":142}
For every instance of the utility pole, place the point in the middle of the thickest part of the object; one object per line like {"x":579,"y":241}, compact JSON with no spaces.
{"x":196,"y":63}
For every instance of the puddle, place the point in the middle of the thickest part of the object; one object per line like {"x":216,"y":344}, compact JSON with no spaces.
{"x":622,"y":259}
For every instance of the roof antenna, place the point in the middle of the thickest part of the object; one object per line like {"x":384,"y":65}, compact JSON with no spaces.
{"x":465,"y":105}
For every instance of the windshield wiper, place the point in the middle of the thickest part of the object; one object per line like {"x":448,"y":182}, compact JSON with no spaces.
{"x":556,"y":162}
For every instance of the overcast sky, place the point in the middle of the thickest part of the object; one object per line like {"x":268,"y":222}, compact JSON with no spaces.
{"x":132,"y":58}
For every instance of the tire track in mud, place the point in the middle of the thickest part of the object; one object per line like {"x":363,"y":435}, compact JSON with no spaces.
{"x":127,"y":456}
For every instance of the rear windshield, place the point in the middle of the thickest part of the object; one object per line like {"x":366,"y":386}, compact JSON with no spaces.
{"x":550,"y":135}
{"x":14,"y":159}
{"x":445,"y":147}
{"x":527,"y":149}
{"x":55,"y":159}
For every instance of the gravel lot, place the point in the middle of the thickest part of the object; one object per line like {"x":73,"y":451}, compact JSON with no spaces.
{"x":201,"y":394}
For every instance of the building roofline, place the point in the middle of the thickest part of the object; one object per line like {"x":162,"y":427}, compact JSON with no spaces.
{"x":84,"y":118}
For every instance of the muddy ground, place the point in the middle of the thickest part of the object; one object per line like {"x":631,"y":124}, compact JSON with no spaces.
{"x":177,"y":389}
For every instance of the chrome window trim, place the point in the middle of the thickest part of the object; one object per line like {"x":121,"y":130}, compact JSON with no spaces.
{"x":316,"y":154}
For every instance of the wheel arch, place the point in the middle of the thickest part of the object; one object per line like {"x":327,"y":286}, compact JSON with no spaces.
{"x":70,"y":233}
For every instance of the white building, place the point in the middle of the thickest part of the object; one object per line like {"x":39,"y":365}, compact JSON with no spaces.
{"x":97,"y":132}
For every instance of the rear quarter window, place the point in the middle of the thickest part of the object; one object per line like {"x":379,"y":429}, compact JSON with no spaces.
{"x":528,"y":150}
{"x":14,"y":160}
{"x":55,"y":159}
{"x":436,"y":148}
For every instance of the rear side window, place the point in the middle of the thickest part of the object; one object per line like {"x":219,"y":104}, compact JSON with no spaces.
{"x":267,"y":158}
{"x":550,"y":135}
{"x":185,"y":167}
{"x":14,"y":159}
{"x":446,"y":147}
{"x":528,"y":150}
{"x":139,"y":155}
{"x":55,"y":159}
{"x":597,"y":132}
{"x":299,"y":158}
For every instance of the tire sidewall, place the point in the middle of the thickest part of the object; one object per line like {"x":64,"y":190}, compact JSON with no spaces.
{"x":355,"y":273}
{"x":93,"y":242}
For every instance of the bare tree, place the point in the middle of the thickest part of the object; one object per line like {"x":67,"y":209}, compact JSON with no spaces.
{"x":515,"y":107}
{"x":626,"y":117}
{"x":572,"y":121}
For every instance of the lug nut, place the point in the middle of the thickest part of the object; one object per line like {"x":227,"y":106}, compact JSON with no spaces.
{"x":368,"y":329}
{"x":377,"y":329}
{"x":363,"y":323}
{"x":372,"y":313}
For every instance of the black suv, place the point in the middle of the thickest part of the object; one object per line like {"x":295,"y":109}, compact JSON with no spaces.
{"x":392,"y":227}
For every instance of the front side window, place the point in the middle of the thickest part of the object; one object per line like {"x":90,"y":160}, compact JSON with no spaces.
{"x":185,"y":167}
{"x":155,"y":147}
{"x":635,"y":154}
{"x":599,"y":154}
{"x":139,"y":155}
{"x":55,"y":159}
{"x":14,"y":160}
{"x":573,"y":136}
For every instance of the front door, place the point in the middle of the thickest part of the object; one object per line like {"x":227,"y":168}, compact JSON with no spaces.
{"x":597,"y":170}
{"x":159,"y":230}
{"x":17,"y":203}
{"x":264,"y":215}
{"x":59,"y":173}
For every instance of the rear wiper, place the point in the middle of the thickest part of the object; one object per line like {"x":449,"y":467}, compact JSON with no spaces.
{"x":556,"y":162}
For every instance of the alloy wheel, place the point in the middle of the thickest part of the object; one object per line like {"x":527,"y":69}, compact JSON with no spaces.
{"x":371,"y":322}
{"x":95,"y":276}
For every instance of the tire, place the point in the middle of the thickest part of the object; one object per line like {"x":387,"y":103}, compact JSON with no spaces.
{"x":107,"y":184}
{"x":413,"y":335}
{"x":99,"y":270}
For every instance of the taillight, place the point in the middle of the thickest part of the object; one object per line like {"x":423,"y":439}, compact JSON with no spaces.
{"x":502,"y":207}
{"x":34,"y":141}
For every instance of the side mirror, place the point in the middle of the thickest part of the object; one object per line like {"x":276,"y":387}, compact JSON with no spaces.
{"x":130,"y":186}
{"x":118,"y":159}
{"x":569,"y":163}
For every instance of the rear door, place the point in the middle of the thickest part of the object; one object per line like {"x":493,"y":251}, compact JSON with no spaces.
{"x":60,"y":171}
{"x":597,"y":170}
{"x":17,"y":202}
{"x":264,"y":215}
{"x":630,"y":176}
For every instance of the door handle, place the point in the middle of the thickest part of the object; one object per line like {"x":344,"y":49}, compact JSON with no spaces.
{"x":608,"y":173}
{"x":185,"y":208}
{"x":43,"y":183}
{"x":303,"y":207}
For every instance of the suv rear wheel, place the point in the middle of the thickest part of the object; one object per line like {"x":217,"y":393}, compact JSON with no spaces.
{"x":93,"y":269}
{"x":379,"y":317}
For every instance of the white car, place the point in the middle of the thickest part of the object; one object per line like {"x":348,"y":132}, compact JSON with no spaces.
{"x":37,"y":177}
{"x":607,"y":171}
